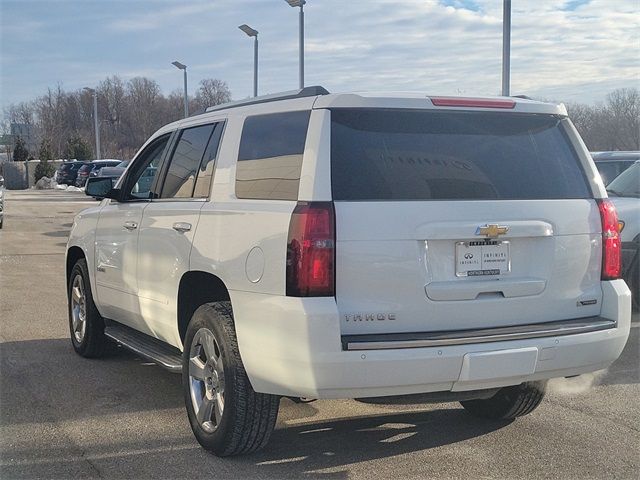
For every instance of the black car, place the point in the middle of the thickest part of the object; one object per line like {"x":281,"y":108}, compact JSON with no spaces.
{"x":68,"y":172}
{"x":92,"y":169}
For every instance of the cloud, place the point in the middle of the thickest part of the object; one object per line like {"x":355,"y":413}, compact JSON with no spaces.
{"x":158,"y":18}
{"x":571,"y":50}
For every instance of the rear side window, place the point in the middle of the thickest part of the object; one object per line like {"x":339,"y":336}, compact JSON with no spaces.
{"x":270,"y":156}
{"x":183,"y":168}
{"x":205,"y":175}
{"x":424,"y":155}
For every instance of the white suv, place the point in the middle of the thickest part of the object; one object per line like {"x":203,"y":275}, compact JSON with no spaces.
{"x":342,"y":246}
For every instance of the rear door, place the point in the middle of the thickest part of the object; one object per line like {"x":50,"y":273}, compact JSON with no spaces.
{"x":169,"y":224}
{"x":453,"y":220}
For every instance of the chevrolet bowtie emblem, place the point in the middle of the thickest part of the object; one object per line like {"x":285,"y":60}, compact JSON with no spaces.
{"x":492,"y":230}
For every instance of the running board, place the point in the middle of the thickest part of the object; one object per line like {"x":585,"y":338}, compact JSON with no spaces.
{"x":148,"y":347}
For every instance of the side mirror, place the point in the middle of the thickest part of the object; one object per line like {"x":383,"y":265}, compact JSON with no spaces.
{"x":101,"y":187}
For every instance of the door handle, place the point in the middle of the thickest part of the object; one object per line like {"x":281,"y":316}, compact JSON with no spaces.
{"x":182,"y":227}
{"x":130,"y":225}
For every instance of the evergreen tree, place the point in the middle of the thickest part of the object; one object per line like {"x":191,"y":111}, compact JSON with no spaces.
{"x":20,"y":152}
{"x":77,"y":148}
{"x":44,"y":168}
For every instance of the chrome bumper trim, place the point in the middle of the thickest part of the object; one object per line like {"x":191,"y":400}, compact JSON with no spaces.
{"x":486,"y":335}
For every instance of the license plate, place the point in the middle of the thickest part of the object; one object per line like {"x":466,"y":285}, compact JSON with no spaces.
{"x":482,"y":258}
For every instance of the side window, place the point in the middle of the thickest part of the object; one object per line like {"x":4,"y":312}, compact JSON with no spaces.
{"x":185,"y":162}
{"x":270,"y":156}
{"x":205,"y":174}
{"x":146,"y":168}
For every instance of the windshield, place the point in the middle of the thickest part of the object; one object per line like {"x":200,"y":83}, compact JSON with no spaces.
{"x":627,"y":184}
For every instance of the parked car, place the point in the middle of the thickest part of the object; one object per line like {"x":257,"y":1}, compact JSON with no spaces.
{"x":352,"y":246}
{"x":624,"y":192}
{"x":93,"y":169}
{"x":109,"y":172}
{"x":68,"y":172}
{"x":612,"y":164}
{"x":114,"y":172}
{"x":1,"y":201}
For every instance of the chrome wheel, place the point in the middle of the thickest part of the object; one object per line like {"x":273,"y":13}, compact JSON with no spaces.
{"x":206,"y":379}
{"x":78,"y":309}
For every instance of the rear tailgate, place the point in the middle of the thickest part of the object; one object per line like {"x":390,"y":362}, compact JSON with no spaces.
{"x":460,"y":220}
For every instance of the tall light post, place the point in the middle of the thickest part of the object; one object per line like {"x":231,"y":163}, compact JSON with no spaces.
{"x":506,"y":47}
{"x":183,"y":67}
{"x":300,"y":4}
{"x":253,"y":33}
{"x":95,"y":119}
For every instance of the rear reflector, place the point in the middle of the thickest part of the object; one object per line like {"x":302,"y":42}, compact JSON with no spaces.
{"x":611,"y":246}
{"x":472,"y":102}
{"x":311,"y":250}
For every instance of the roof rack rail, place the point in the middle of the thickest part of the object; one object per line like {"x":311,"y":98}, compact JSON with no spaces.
{"x":301,"y":93}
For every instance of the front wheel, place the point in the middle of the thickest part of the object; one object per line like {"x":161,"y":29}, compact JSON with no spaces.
{"x":226,"y":415}
{"x":509,"y":402}
{"x":86,"y":326}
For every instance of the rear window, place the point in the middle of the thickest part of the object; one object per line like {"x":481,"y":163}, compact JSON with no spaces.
{"x":423,"y":155}
{"x":270,"y":156}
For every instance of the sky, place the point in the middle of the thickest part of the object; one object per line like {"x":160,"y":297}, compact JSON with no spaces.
{"x":565,"y":50}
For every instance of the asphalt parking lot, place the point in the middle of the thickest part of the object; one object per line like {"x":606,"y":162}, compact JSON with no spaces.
{"x":63,"y":416}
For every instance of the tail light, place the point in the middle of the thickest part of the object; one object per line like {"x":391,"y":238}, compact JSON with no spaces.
{"x":311,"y":250}
{"x":611,"y":246}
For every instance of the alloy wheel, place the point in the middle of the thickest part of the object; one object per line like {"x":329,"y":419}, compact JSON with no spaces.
{"x":206,"y":379}
{"x":78,"y":309}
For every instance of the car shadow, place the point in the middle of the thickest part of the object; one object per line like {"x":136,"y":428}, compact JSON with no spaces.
{"x":296,"y":451}
{"x":64,"y":386}
{"x":57,"y":233}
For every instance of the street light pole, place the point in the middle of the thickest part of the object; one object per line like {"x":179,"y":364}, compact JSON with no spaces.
{"x":96,"y":125}
{"x":506,"y":47}
{"x":300,"y":4}
{"x":183,"y":67}
{"x":253,"y":33}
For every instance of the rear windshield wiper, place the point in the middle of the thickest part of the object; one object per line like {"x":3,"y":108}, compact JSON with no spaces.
{"x":613,"y":192}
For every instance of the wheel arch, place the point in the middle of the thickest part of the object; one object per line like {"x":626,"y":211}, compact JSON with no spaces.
{"x":74,"y":253}
{"x":197,"y":288}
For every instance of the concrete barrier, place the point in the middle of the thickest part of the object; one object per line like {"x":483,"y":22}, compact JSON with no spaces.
{"x":16,"y":173}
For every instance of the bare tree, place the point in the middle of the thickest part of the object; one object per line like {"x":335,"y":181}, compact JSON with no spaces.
{"x":613,"y":125}
{"x":623,"y":106}
{"x":212,"y":92}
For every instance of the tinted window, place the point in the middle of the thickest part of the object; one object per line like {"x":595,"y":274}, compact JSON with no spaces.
{"x":205,"y":174}
{"x":422,"y":155}
{"x":608,"y":171}
{"x":627,"y":184}
{"x":270,"y":157}
{"x":185,"y":162}
{"x":146,"y":168}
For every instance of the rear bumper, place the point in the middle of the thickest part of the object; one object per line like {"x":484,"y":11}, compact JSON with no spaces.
{"x":292,"y":346}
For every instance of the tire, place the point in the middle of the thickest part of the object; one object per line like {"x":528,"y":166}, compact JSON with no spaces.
{"x":509,"y":402}
{"x":213,"y":376}
{"x":86,"y":326}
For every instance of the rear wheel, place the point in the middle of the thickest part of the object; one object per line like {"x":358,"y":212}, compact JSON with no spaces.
{"x":226,"y":415}
{"x":508,"y":402}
